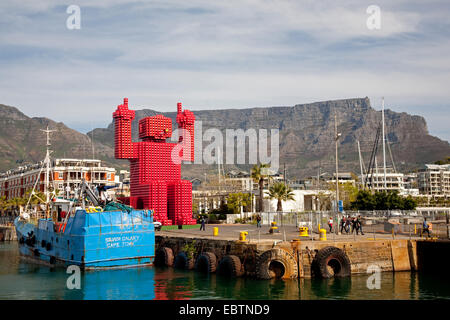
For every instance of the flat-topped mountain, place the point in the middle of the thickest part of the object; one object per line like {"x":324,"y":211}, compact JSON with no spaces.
{"x":306,"y":136}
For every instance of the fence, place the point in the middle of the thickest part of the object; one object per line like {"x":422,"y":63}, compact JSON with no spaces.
{"x":406,"y":223}
{"x":7,"y":220}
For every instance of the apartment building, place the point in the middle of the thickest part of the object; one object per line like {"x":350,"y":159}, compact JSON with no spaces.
{"x":394,"y":181}
{"x":434,"y":180}
{"x":65,"y":176}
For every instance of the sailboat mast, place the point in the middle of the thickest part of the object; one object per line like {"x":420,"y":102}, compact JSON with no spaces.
{"x":384,"y":146}
{"x":361,"y":164}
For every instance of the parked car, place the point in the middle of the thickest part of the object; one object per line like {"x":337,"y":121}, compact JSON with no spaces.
{"x":157,"y":225}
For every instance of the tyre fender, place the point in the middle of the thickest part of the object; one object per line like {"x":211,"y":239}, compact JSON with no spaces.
{"x":206,"y":262}
{"x":276,"y":263}
{"x":164,"y":257}
{"x":331,"y":262}
{"x":183,"y":262}
{"x":230,"y":266}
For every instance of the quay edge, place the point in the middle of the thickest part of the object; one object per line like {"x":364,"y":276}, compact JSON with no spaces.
{"x":297,"y":258}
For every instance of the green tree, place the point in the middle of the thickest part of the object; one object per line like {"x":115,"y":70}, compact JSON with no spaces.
{"x":445,"y":161}
{"x":259,"y":174}
{"x":364,"y":201}
{"x":237,"y":200}
{"x":409,"y":203}
{"x":347,"y":193}
{"x":4,"y":205}
{"x":281,"y":192}
{"x":16,"y":203}
{"x":383,"y":200}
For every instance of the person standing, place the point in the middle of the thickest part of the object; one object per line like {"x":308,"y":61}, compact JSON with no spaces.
{"x":203,"y":223}
{"x":342,"y":224}
{"x":359,"y":225}
{"x":330,"y":224}
{"x":258,"y":221}
{"x":348,"y":222}
{"x":354,"y":225}
{"x":426,"y":227}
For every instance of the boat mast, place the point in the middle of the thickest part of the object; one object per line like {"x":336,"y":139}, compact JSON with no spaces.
{"x":361,"y":164}
{"x":47,"y":165}
{"x":384,"y":146}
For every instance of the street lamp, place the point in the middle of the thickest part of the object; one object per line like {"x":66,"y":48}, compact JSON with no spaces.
{"x":336,"y":139}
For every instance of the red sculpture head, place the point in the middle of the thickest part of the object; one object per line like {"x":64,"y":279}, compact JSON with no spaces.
{"x":156,"y":127}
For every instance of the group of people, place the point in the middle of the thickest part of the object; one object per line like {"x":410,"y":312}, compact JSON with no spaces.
{"x":348,"y":224}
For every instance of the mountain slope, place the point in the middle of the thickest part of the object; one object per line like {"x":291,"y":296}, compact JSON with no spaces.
{"x":306,"y":136}
{"x":307,"y":131}
{"x":21,"y":140}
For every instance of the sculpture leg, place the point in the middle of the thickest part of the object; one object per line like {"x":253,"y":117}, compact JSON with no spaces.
{"x":153,"y":195}
{"x":180,"y":202}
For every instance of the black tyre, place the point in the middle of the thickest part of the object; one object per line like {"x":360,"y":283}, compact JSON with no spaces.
{"x":331,"y":262}
{"x":164,"y":257}
{"x":48,"y":246}
{"x":206,"y":262}
{"x":183,"y":262}
{"x":276,"y":263}
{"x":230,"y":266}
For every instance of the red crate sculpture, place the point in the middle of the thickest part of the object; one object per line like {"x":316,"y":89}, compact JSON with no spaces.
{"x":155,"y":165}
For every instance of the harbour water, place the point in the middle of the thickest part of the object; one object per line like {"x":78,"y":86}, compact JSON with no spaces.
{"x":23,"y":280}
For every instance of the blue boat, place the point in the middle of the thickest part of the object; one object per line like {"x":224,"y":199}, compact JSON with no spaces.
{"x":91,"y":240}
{"x":86,"y":231}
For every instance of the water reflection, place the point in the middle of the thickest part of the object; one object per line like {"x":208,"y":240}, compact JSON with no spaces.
{"x":22,"y":280}
{"x":335,"y":288}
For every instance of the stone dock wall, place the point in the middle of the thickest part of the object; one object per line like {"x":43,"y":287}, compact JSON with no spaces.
{"x":387,"y":255}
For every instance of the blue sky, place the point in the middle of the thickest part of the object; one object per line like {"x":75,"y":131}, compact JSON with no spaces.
{"x":223,"y":54}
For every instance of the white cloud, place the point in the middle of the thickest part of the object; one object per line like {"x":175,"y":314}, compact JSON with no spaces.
{"x":214,"y":54}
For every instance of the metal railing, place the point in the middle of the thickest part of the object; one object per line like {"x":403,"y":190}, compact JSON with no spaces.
{"x":7,"y":220}
{"x":395,"y":223}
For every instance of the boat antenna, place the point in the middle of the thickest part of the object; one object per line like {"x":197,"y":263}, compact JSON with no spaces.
{"x":47,"y":165}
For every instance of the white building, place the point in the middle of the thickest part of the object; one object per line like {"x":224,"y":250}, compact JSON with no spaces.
{"x":65,"y":175}
{"x":394,"y":181}
{"x":434,"y":180}
{"x":304,"y":200}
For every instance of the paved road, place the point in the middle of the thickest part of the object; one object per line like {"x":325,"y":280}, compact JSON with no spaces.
{"x":231,"y":232}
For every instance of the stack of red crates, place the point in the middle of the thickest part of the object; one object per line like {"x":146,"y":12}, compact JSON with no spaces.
{"x":155,"y":180}
{"x":122,"y":135}
{"x":180,"y":202}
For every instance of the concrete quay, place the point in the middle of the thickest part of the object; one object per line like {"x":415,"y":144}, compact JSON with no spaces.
{"x":287,"y":255}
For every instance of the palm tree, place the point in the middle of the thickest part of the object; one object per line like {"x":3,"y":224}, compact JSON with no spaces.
{"x":259,"y":174}
{"x":15,"y":204}
{"x":3,"y":204}
{"x":281,"y":192}
{"x":236,"y":201}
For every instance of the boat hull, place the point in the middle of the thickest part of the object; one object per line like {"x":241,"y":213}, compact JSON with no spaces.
{"x":100,"y":240}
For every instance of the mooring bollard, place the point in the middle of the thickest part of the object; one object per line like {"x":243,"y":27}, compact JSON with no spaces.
{"x":243,"y":236}
{"x":215,"y":231}
{"x":323,"y":235}
{"x":303,"y":232}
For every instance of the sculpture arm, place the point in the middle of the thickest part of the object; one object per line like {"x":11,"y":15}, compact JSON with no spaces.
{"x":123,"y":144}
{"x":186,"y":120}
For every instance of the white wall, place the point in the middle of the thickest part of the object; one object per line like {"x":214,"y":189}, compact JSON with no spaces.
{"x":296,"y":205}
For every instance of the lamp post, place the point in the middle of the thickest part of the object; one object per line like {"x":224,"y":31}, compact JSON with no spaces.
{"x":336,"y":139}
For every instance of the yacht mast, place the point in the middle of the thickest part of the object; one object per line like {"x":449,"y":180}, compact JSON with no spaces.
{"x":361,"y":164}
{"x":384,"y":147}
